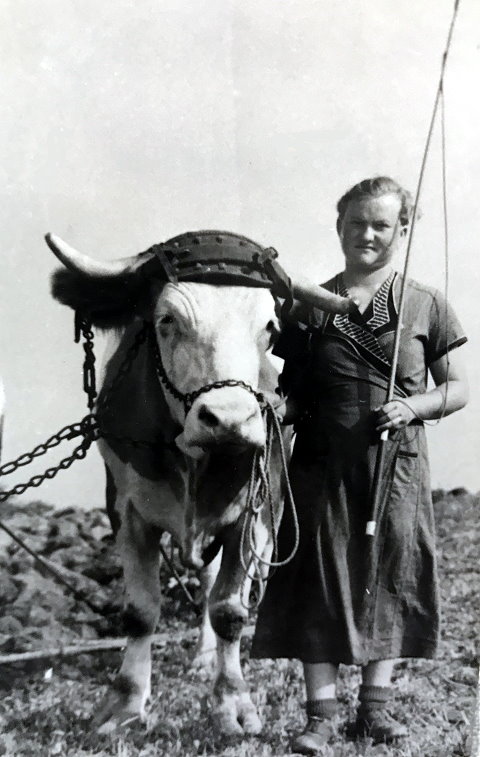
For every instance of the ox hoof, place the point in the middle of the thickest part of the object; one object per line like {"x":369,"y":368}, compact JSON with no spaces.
{"x":115,"y":715}
{"x":120,"y":722}
{"x":251,"y":723}
{"x":225,"y":724}
{"x":204,"y":662}
{"x":236,"y":716}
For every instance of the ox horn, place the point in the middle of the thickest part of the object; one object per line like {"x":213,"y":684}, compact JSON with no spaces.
{"x":321,"y":298}
{"x":80,"y":263}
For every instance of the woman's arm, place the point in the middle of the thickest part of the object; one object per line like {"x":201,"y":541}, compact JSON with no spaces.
{"x":450,"y":394}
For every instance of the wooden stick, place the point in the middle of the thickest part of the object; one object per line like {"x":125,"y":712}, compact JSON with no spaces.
{"x":100,"y":645}
{"x":97,"y":645}
{"x":372,"y":523}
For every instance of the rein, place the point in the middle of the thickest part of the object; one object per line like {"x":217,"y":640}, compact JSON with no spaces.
{"x":259,"y":494}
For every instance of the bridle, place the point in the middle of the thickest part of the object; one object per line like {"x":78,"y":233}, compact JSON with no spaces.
{"x":215,"y":257}
{"x":188,"y":398}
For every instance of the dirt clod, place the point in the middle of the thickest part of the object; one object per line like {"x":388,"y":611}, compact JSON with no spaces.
{"x":434,"y":698}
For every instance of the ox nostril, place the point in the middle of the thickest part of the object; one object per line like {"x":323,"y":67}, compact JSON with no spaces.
{"x":207,"y":417}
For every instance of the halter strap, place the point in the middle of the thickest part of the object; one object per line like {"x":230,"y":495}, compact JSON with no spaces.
{"x":189,"y":398}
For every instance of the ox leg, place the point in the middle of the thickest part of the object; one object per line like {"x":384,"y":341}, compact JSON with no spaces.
{"x":138,"y":546}
{"x":233,"y":709}
{"x":205,"y":655}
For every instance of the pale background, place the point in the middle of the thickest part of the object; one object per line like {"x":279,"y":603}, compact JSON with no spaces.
{"x":125,"y":122}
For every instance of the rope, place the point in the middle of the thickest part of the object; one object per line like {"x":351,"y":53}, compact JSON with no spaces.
{"x":259,"y":494}
{"x":178,"y":578}
{"x":446,"y":262}
{"x":438,"y":100}
{"x":446,"y":245}
{"x":47,"y":565}
{"x":380,"y":461}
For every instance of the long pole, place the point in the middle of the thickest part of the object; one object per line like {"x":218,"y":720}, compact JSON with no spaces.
{"x":382,"y":446}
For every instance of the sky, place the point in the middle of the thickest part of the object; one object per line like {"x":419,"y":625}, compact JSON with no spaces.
{"x":129,"y":121}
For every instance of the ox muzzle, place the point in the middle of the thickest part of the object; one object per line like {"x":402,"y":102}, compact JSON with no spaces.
{"x":227,"y":419}
{"x":225,"y":415}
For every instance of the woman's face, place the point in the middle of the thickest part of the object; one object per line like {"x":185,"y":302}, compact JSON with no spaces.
{"x":370,"y":232}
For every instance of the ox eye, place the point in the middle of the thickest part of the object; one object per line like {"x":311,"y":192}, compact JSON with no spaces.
{"x":165,"y":325}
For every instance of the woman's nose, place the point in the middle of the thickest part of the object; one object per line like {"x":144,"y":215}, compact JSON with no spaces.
{"x":367,"y":232}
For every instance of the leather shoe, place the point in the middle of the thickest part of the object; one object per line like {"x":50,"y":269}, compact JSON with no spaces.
{"x":381,"y":727}
{"x":317,"y":732}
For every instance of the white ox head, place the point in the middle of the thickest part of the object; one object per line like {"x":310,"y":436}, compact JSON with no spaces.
{"x":205,"y":333}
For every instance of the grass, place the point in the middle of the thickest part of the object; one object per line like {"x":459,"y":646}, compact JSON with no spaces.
{"x":436,"y":699}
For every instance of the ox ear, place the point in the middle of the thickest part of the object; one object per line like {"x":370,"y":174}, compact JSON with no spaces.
{"x":110,"y":294}
{"x":108,"y":302}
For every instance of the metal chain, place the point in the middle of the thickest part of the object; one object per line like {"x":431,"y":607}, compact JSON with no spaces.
{"x":192,"y":396}
{"x":259,"y":491}
{"x":87,"y":428}
{"x":65,"y":434}
{"x":176,"y":393}
{"x":84,"y":327}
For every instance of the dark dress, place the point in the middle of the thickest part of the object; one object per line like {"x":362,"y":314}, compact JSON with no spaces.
{"x":347,"y":597}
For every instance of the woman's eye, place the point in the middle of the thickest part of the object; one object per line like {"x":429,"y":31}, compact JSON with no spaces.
{"x":166,"y":319}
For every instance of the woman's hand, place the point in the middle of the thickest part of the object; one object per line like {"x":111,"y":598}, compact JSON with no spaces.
{"x":285,"y":408}
{"x":449,"y":395}
{"x":393,"y":415}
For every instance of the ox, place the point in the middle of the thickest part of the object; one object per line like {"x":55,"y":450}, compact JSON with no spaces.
{"x":213,"y":319}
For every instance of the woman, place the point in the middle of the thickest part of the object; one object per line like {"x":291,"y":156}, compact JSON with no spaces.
{"x":346,"y":598}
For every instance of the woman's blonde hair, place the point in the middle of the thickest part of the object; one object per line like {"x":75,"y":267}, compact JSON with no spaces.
{"x":376,"y":187}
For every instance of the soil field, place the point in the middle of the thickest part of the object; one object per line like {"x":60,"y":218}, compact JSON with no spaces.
{"x":46,"y":704}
